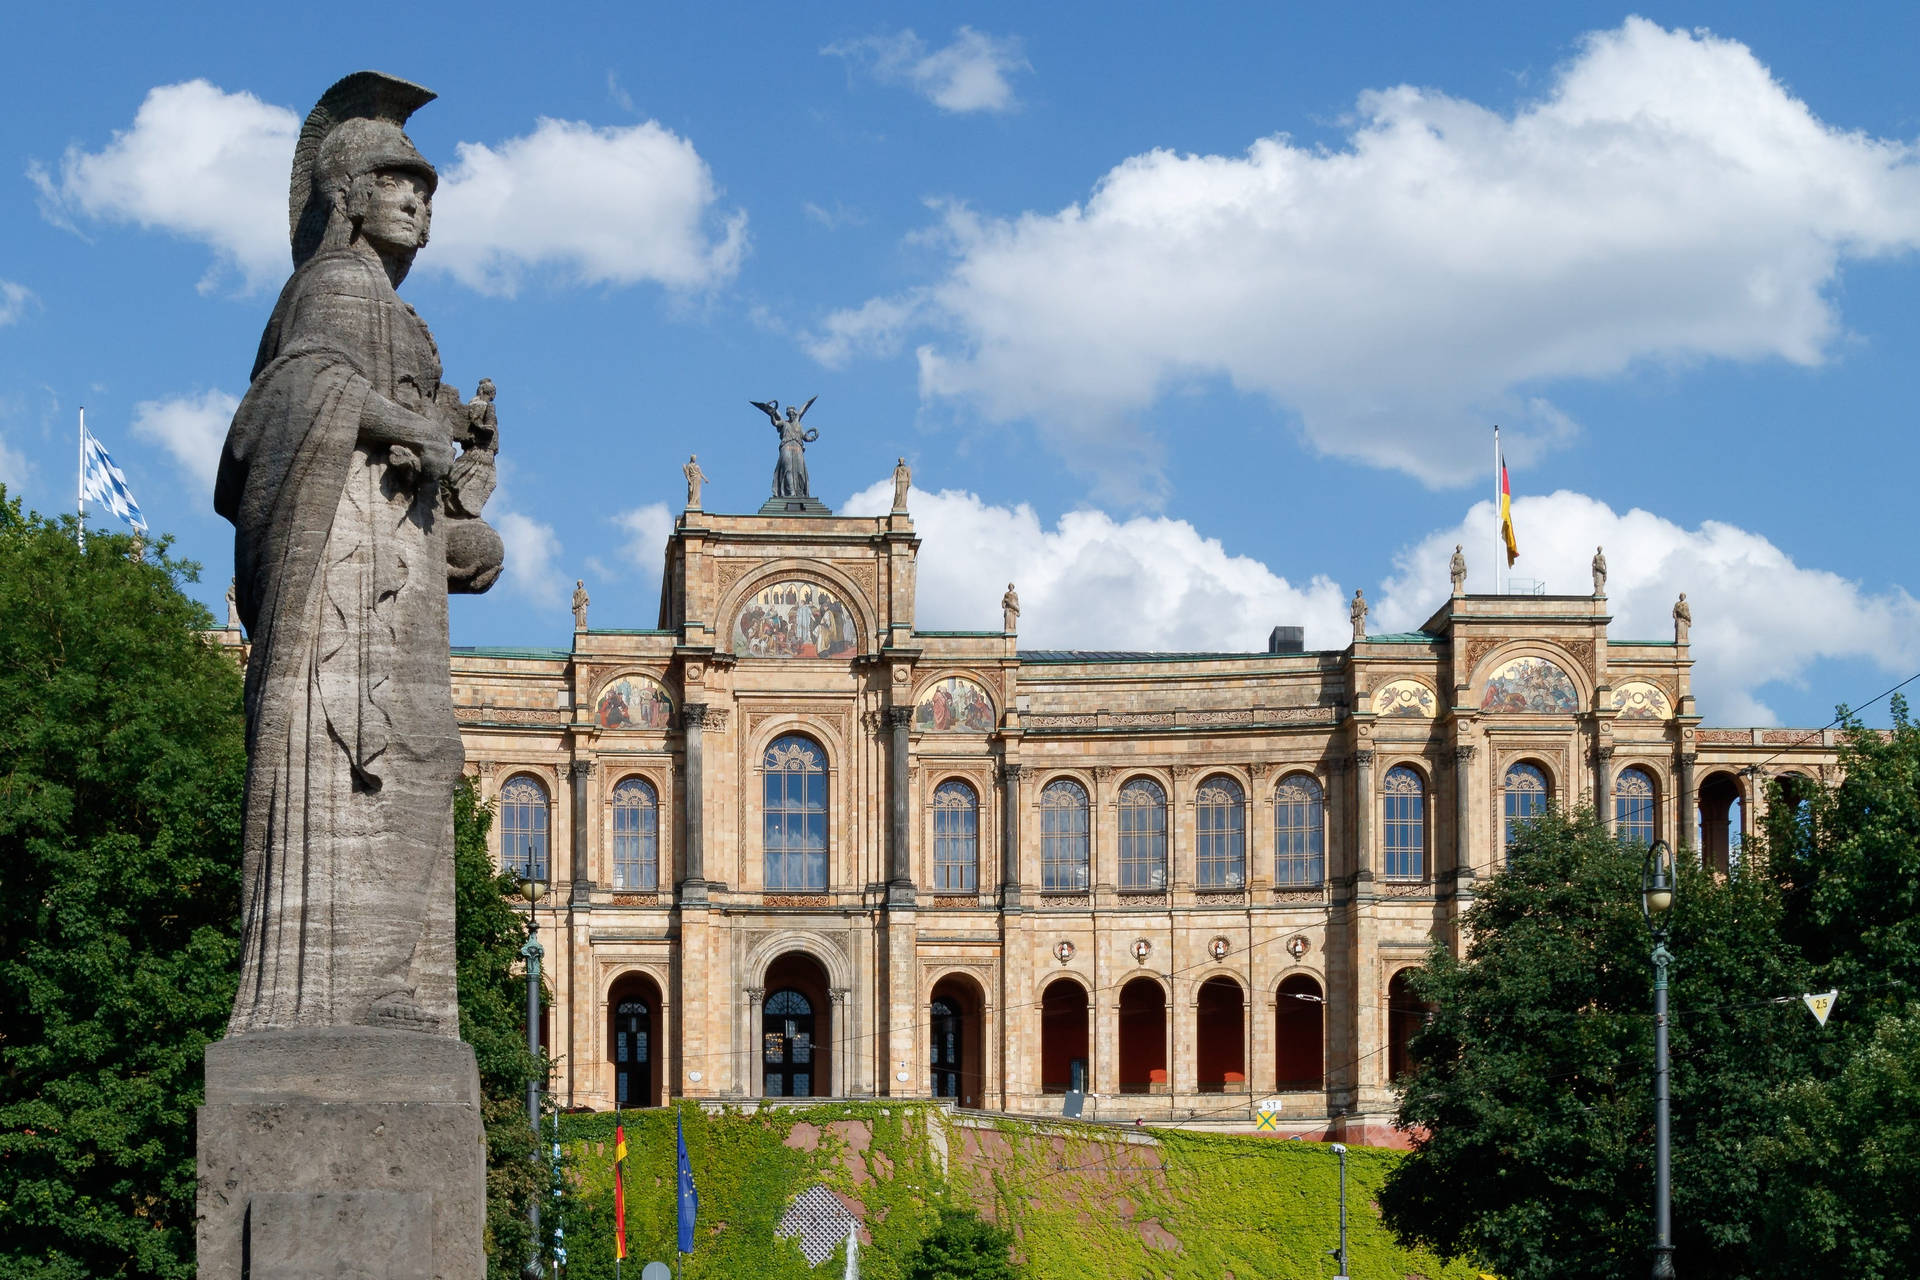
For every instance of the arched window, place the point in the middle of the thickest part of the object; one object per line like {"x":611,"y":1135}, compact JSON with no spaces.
{"x":1143,"y":835}
{"x":1526,"y":796}
{"x":1406,"y":824}
{"x":1299,"y":832}
{"x":786,"y":1046}
{"x":523,"y":828}
{"x":1063,"y":837}
{"x":794,"y":813}
{"x":632,"y":1054}
{"x":1633,"y":812}
{"x":1406,"y":1014}
{"x":956,"y":837}
{"x":1221,"y":856}
{"x":636,"y":836}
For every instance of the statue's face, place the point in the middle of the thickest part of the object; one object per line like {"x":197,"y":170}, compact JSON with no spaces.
{"x":393,"y":208}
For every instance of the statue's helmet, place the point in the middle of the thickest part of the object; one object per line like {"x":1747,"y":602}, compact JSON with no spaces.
{"x":355,"y":128}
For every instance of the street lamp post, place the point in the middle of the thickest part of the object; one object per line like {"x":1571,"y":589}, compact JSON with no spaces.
{"x":533,"y":889}
{"x":1656,"y":900}
{"x":1340,"y":1150}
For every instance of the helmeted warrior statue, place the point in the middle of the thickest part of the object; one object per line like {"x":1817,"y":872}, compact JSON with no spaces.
{"x":352,"y":522}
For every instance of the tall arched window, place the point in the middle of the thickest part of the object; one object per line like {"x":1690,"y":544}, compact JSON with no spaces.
{"x":1221,"y":854}
{"x":1526,"y":796}
{"x":1143,"y":835}
{"x":1633,"y":812}
{"x":636,"y":836}
{"x":1063,"y":837}
{"x":1406,"y":824}
{"x":523,"y":828}
{"x":1299,"y":831}
{"x":794,"y":813}
{"x":956,"y":837}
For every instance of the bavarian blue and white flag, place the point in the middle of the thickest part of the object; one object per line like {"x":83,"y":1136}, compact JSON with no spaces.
{"x":103,"y":482}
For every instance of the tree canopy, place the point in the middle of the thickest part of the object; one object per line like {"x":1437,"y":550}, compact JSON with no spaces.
{"x":122,"y":764}
{"x":1531,"y":1100}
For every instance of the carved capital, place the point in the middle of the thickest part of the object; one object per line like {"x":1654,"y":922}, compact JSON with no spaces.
{"x":754,"y":994}
{"x":1183,"y":771}
{"x":1688,"y":759}
{"x":1012,"y":772}
{"x":1361,"y":759}
{"x":837,"y":994}
{"x":580,"y":770}
{"x":1603,"y":752}
{"x":1258,"y":770}
{"x":485,"y":768}
{"x":693,"y":715}
{"x":1463,"y":754}
{"x":1103,"y":771}
{"x":897,"y":717}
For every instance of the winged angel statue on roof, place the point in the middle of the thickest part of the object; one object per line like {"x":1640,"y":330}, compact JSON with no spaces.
{"x":790,"y":473}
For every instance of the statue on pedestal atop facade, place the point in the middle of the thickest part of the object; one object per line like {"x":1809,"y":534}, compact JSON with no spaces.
{"x":579,"y":604}
{"x":790,"y":473}
{"x":1457,"y":570}
{"x":1599,"y":571}
{"x":1010,"y":610}
{"x":1682,"y":619}
{"x":695,"y":478}
{"x":233,"y":605}
{"x":902,"y":481}
{"x":1358,"y":615}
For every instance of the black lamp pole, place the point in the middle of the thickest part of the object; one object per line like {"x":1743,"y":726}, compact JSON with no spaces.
{"x":1656,"y":899}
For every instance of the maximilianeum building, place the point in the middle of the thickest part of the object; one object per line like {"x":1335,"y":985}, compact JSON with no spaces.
{"x":799,"y":847}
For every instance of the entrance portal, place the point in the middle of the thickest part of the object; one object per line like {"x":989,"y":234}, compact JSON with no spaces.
{"x":633,"y":1007}
{"x":796,"y":1027}
{"x":956,"y":1047}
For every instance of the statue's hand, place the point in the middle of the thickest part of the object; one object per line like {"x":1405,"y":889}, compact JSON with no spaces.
{"x":436,"y":460}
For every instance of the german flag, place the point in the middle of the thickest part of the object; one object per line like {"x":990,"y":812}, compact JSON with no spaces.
{"x":619,"y":1191}
{"x":1506,"y":515}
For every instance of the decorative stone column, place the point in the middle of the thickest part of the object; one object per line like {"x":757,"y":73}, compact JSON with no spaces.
{"x":579,"y":775}
{"x":1363,"y":816}
{"x":1010,"y":775}
{"x":748,"y":1083}
{"x":841,"y":1084}
{"x":1603,"y":783}
{"x":1463,"y":817}
{"x":693,"y":885}
{"x":1688,"y":797}
{"x":899,"y":810}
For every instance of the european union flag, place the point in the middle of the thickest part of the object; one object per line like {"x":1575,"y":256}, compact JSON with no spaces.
{"x":689,"y":1207}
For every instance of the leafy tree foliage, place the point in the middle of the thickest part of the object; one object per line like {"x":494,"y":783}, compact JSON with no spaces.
{"x":488,"y":937}
{"x":122,"y":764}
{"x":963,"y":1246}
{"x":1531,"y":1103}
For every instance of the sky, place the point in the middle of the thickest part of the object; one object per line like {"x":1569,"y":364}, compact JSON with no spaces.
{"x":1191,"y":320}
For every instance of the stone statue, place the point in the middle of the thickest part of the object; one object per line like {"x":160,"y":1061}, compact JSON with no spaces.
{"x":345,"y":550}
{"x":695,"y":478}
{"x":579,"y":604}
{"x":1682,"y":619}
{"x":1599,"y":571}
{"x":1010,"y":610}
{"x":353,"y":519}
{"x":902,"y":481}
{"x":1457,"y":569}
{"x":233,"y":605}
{"x":1359,"y":616}
{"x":790,"y":473}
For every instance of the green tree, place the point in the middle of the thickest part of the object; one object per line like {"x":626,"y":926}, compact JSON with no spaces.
{"x":122,"y":765}
{"x":488,"y":936}
{"x":1531,"y":1104}
{"x":963,"y":1246}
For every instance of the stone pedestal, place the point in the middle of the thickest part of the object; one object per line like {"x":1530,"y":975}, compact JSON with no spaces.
{"x":341,"y":1152}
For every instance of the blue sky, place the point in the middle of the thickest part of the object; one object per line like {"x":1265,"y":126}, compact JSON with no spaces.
{"x":1189,"y":320}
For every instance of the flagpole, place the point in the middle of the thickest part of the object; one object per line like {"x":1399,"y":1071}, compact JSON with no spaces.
{"x":80,"y":478}
{"x":1496,"y":509}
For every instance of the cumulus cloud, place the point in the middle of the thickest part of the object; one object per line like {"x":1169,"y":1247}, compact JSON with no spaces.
{"x":13,"y":301}
{"x":1094,"y":582}
{"x":198,"y":162}
{"x":192,"y":429}
{"x":647,"y":530}
{"x":532,"y":552}
{"x":591,"y":205}
{"x":14,"y":469}
{"x":1758,"y":616}
{"x":969,"y":74}
{"x":1666,"y":200}
{"x":580,"y":204}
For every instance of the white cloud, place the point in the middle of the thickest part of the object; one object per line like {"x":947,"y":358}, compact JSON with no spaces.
{"x":970,"y":74}
{"x":193,"y":429}
{"x":1758,"y":616}
{"x":199,"y":162}
{"x":532,"y":549}
{"x":580,"y":204}
{"x":13,"y":301}
{"x":14,"y":469}
{"x":1666,"y":200}
{"x":647,"y":530}
{"x":1094,"y":582}
{"x":593,"y":206}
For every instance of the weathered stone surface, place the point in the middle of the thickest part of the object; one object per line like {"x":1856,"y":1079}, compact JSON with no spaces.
{"x":341,"y":1134}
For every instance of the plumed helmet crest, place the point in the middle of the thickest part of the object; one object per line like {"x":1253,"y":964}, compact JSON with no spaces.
{"x":355,"y":128}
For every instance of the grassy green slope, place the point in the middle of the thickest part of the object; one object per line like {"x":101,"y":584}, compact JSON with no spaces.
{"x":1084,"y":1201}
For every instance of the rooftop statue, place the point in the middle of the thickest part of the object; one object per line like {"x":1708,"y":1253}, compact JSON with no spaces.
{"x":790,"y":473}
{"x":353,"y":519}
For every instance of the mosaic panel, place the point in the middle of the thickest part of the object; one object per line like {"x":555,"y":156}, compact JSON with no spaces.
{"x":634,"y":702}
{"x":794,"y":619}
{"x":954,"y":705}
{"x":1405,"y":699}
{"x":1532,"y":686}
{"x":1638,"y":700}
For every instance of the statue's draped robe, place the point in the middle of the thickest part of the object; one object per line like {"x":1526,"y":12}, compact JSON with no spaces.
{"x":353,"y":750}
{"x":790,"y":472}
